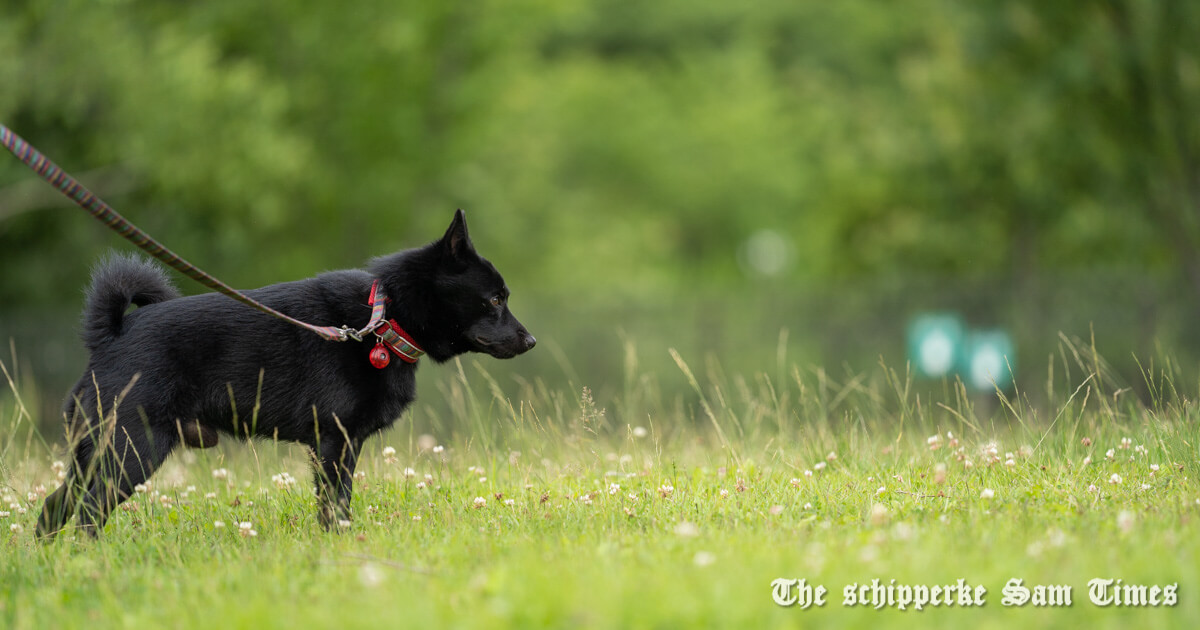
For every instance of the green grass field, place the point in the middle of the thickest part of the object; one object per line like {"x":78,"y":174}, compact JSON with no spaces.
{"x":540,"y":509}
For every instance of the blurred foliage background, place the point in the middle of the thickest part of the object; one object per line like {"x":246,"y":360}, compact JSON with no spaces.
{"x":697,"y":175}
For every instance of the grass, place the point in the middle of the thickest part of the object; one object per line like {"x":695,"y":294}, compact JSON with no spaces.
{"x":661,"y":510}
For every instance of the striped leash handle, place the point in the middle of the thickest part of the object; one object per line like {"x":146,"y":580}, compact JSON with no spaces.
{"x":95,"y":206}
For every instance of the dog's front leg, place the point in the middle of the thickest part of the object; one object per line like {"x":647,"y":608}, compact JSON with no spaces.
{"x":333,"y":472}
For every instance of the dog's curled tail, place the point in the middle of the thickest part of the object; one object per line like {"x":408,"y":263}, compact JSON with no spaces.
{"x":117,"y":282}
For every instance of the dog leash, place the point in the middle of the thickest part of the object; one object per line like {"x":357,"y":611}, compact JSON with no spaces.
{"x":95,"y":206}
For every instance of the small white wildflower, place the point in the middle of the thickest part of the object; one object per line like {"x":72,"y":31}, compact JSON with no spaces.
{"x":218,"y":524}
{"x":360,"y":475}
{"x":987,"y":493}
{"x":420,"y":485}
{"x":934,"y":442}
{"x":808,"y":473}
{"x":1114,"y":479}
{"x":509,"y":502}
{"x":881,"y":491}
{"x":703,"y":558}
{"x":409,"y":473}
{"x":479,"y":502}
{"x":389,"y":451}
{"x":939,"y":473}
{"x":416,"y":517}
{"x":210,"y":495}
{"x":808,"y":506}
{"x":831,"y":456}
{"x":639,"y":432}
{"x":483,"y":480}
{"x":439,"y":448}
{"x":1087,"y":460}
{"x":246,"y":530}
{"x":220,"y":473}
{"x":819,"y":466}
{"x":879,"y":514}
{"x":666,"y":490}
{"x":1145,"y":486}
{"x":140,"y":488}
{"x":16,"y":528}
{"x":165,"y":500}
{"x":1126,"y":443}
{"x":1153,"y":468}
{"x":613,"y":488}
{"x":1010,"y":463}
{"x":343,"y":524}
{"x":686,"y":529}
{"x":1092,"y":488}
{"x":632,"y":497}
{"x":1110,"y":453}
{"x":723,"y":493}
{"x":1125,"y":521}
{"x":4,"y":514}
{"x":370,"y":575}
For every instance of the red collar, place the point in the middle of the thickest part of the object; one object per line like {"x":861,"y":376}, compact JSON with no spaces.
{"x":391,"y":336}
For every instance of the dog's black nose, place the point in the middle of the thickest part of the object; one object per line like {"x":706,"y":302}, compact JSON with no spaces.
{"x":530,"y":342}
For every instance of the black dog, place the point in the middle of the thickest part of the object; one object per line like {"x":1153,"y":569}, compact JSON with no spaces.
{"x":179,"y":369}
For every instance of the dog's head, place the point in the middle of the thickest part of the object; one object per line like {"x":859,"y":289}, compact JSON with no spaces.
{"x":455,"y":301}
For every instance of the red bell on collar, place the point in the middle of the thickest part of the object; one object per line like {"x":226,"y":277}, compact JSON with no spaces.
{"x":380,"y":357}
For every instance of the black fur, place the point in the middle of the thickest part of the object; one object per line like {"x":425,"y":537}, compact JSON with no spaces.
{"x":210,"y":361}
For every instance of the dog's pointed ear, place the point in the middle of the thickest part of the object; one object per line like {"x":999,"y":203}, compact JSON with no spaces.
{"x":457,"y":242}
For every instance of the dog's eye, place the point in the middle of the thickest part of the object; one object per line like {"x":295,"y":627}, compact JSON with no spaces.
{"x":497,"y":300}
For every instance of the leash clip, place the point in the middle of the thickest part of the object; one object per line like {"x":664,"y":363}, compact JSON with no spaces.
{"x":347,"y":332}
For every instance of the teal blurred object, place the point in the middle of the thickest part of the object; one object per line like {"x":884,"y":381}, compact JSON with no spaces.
{"x":935,"y":342}
{"x":989,"y":360}
{"x":939,"y":345}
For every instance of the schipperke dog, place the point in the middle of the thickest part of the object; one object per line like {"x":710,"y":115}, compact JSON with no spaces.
{"x":183,"y":369}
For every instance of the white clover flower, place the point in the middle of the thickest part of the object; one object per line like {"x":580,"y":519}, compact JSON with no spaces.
{"x":1087,"y":460}
{"x":881,"y":491}
{"x":420,"y":485}
{"x":439,"y":448}
{"x":1092,"y":488}
{"x":16,"y":528}
{"x":1110,"y":453}
{"x":686,"y":529}
{"x":210,"y":495}
{"x":1125,"y":521}
{"x":831,"y":456}
{"x":509,"y":502}
{"x":1114,"y":479}
{"x":219,"y":524}
{"x":613,"y":488}
{"x":666,"y":490}
{"x":220,"y":473}
{"x":479,"y":502}
{"x":808,"y":506}
{"x":1126,"y":443}
{"x":1153,"y":468}
{"x":808,"y":473}
{"x":819,"y":466}
{"x":140,"y":488}
{"x":389,"y":451}
{"x":409,"y":473}
{"x":987,"y":493}
{"x":879,"y":514}
{"x":723,"y":493}
{"x":934,"y":442}
{"x":639,"y":432}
